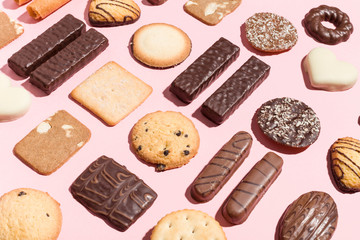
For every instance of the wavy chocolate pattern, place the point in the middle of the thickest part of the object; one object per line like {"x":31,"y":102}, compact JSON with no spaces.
{"x":113,"y":12}
{"x":111,"y":192}
{"x":55,"y":71}
{"x":243,"y":199}
{"x":312,"y":216}
{"x":345,"y":162}
{"x":221,"y":167}
{"x":46,"y":45}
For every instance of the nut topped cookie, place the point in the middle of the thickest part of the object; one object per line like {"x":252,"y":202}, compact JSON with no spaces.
{"x":166,"y":139}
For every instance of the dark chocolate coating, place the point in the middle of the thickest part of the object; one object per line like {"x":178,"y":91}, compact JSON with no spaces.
{"x":341,"y":21}
{"x":204,"y":70}
{"x":46,"y":45}
{"x":221,"y":167}
{"x":312,"y":216}
{"x":55,"y":71}
{"x":227,"y":98}
{"x":289,"y":122}
{"x":157,"y":2}
{"x":243,"y":199}
{"x":110,"y":191}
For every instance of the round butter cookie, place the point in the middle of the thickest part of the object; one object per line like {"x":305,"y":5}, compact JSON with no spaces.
{"x":166,"y":139}
{"x":160,"y":45}
{"x":29,"y":214}
{"x":188,"y":224}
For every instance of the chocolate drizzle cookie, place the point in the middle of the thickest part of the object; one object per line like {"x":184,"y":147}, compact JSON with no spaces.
{"x":289,"y":122}
{"x":166,"y":139}
{"x":313,"y":25}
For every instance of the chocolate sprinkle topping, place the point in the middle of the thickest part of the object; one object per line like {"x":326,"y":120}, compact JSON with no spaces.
{"x":139,"y":148}
{"x":178,"y":133}
{"x":166,"y":152}
{"x":186,"y":152}
{"x":21,"y":193}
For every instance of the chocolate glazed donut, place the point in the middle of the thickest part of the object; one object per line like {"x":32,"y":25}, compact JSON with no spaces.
{"x":341,"y":21}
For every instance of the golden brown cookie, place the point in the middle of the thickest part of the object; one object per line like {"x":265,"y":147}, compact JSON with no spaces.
{"x":188,"y":224}
{"x":29,"y":214}
{"x":9,"y":29}
{"x":160,"y":45}
{"x":166,"y":139}
{"x":269,"y":32}
{"x":210,"y":12}
{"x":107,"y":13}
{"x":345,"y":164}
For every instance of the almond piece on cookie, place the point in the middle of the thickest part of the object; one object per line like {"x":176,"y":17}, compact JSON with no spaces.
{"x":9,"y":28}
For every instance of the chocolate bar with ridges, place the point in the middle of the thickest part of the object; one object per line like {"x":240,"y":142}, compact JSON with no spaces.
{"x":204,"y":70}
{"x":46,"y":45}
{"x":55,"y":71}
{"x":221,"y":167}
{"x":111,"y":192}
{"x":243,"y":199}
{"x":313,"y":215}
{"x":228,"y":97}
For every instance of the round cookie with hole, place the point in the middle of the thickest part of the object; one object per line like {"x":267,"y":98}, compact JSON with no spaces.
{"x":166,"y":139}
{"x":27,"y":213}
{"x":188,"y":224}
{"x":160,"y":45}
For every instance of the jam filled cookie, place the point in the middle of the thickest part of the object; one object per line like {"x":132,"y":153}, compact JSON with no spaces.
{"x":313,"y":25}
{"x":166,"y":139}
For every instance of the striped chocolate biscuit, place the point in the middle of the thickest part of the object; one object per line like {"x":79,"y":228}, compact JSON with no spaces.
{"x":243,"y":199}
{"x":221,"y":167}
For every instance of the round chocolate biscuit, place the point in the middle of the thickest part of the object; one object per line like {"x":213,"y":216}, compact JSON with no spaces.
{"x":160,"y":45}
{"x":313,"y":215}
{"x":269,"y":32}
{"x":166,"y":139}
{"x":289,"y":122}
{"x":313,"y":25}
{"x":345,"y":164}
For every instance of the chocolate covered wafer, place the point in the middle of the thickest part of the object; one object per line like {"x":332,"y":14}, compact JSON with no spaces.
{"x":46,"y":45}
{"x":204,"y":70}
{"x":54,"y":72}
{"x":226,"y":99}
{"x":221,"y":167}
{"x":252,"y":188}
{"x":110,"y":191}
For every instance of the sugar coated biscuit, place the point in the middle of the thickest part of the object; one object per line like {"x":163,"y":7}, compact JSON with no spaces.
{"x":9,"y":29}
{"x":345,"y":164}
{"x":111,"y":93}
{"x":269,"y":32}
{"x":160,"y":45}
{"x":14,"y":101}
{"x":210,"y":12}
{"x":48,"y":146}
{"x":328,"y":73}
{"x":104,"y":13}
{"x":188,"y":224}
{"x":29,"y":214}
{"x":166,"y":139}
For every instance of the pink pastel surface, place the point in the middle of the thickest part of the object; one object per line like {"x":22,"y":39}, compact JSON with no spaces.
{"x":302,"y":171}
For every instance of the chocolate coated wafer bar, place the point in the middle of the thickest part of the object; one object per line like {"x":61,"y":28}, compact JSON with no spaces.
{"x":54,"y":72}
{"x":221,"y":167}
{"x":46,"y":45}
{"x":252,"y":188}
{"x":111,"y":192}
{"x":228,"y":97}
{"x":204,"y":70}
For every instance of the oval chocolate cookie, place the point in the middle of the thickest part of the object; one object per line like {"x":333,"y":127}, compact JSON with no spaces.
{"x":312,"y":216}
{"x":345,"y":164}
{"x":269,"y":32}
{"x":289,"y":122}
{"x":166,"y":139}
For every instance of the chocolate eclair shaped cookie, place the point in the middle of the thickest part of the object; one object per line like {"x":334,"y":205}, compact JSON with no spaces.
{"x":166,"y":139}
{"x":345,"y":164}
{"x":107,"y":13}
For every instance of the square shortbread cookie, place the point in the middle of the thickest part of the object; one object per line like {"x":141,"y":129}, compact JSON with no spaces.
{"x":111,"y":93}
{"x":48,"y":146}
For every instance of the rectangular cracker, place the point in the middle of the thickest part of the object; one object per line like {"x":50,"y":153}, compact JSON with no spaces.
{"x":210,"y":12}
{"x":48,"y":146}
{"x":111,"y":93}
{"x":9,"y":29}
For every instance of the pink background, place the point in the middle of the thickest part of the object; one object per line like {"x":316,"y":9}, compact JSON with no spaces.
{"x":302,"y":171}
